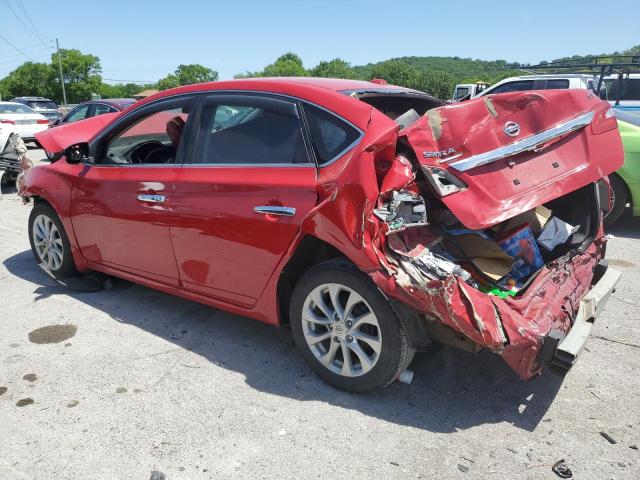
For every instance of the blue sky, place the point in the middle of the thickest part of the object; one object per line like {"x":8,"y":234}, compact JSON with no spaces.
{"x":145,"y":40}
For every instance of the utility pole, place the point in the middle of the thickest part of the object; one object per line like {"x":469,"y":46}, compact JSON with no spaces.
{"x":64,"y":95}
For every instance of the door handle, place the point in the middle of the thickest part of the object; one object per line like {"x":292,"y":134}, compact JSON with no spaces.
{"x":275,"y":210}
{"x":151,"y":198}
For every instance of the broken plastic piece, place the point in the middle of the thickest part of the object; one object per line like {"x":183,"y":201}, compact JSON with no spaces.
{"x":406,"y":377}
{"x":560,"y":468}
{"x":404,"y":210}
{"x":443,"y":182}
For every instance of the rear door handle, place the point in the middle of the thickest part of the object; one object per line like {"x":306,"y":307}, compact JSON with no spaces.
{"x":275,"y":210}
{"x":151,"y":198}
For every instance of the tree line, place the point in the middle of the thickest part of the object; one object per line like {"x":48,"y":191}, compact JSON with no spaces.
{"x":83,"y":74}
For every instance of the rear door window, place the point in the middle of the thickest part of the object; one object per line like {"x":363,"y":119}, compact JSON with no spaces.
{"x":101,"y":108}
{"x":250,"y":131}
{"x":518,"y":86}
{"x":331,"y":136}
{"x":557,"y":84}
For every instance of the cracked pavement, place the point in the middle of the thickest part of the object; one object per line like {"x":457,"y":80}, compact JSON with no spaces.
{"x":152,"y":386}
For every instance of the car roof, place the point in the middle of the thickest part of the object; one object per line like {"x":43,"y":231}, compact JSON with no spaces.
{"x":327,"y":92}
{"x":116,"y":102}
{"x":12,"y":103}
{"x":33,"y":98}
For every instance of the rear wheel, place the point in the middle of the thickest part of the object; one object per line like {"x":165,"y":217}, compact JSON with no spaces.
{"x":49,"y":242}
{"x":347,"y":330}
{"x":618,"y":199}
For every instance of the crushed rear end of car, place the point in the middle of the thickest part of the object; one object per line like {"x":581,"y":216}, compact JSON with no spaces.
{"x":487,"y":222}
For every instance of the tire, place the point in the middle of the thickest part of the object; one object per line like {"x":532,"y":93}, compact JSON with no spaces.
{"x":371,"y":333}
{"x":49,"y":242}
{"x":620,"y":198}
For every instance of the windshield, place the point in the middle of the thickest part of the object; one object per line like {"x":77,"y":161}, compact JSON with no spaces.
{"x":43,"y":105}
{"x":14,"y":108}
{"x":630,"y":88}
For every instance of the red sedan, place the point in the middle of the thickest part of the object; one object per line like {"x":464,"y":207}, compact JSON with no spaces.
{"x":373,"y":220}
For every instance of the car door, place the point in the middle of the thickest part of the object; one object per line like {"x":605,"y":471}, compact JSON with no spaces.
{"x":239,"y":203}
{"x":121,"y":203}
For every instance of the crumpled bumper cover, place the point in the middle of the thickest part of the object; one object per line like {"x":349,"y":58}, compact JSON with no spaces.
{"x":567,"y":351}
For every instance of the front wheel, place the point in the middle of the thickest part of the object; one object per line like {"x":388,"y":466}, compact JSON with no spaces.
{"x":347,"y":330}
{"x":49,"y":242}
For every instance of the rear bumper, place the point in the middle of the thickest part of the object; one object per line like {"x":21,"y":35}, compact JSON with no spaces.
{"x":568,"y":350}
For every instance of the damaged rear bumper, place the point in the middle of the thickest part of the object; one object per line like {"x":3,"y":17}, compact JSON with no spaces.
{"x":568,"y":350}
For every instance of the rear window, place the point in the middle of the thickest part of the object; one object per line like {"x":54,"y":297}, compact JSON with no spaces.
{"x":513,"y":87}
{"x":331,"y":136}
{"x":43,"y":105}
{"x":630,"y":89}
{"x":557,"y":84}
{"x":15,"y":109}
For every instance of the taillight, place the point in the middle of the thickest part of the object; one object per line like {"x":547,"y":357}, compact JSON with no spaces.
{"x":10,"y":122}
{"x":44,"y":121}
{"x":603,"y":121}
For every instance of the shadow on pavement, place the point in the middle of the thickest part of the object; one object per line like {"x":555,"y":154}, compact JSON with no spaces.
{"x":627,"y":226}
{"x":451,"y":390}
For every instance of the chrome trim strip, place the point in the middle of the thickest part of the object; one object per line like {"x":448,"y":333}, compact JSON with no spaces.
{"x":152,"y":198}
{"x":524,"y":145}
{"x":275,"y":210}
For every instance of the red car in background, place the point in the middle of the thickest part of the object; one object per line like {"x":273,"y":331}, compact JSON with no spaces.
{"x":372,"y":219}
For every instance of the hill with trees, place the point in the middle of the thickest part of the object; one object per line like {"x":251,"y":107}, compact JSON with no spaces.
{"x":435,"y":75}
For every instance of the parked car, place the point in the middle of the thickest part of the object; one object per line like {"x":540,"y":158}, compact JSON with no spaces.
{"x":319,"y":204}
{"x":625,"y":183}
{"x":19,"y":119}
{"x":95,"y":107}
{"x":541,"y":82}
{"x":42,"y":105}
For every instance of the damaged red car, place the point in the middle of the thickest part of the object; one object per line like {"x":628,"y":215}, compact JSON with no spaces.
{"x":373,"y":220}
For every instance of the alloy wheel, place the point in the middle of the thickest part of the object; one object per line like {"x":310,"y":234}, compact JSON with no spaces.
{"x":48,"y":242}
{"x":341,"y":330}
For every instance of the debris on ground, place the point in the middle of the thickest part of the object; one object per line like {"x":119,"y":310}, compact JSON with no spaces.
{"x":560,"y":468}
{"x":608,"y":438}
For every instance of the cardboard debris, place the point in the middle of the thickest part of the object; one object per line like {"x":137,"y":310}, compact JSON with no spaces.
{"x":536,"y":218}
{"x":485,"y":254}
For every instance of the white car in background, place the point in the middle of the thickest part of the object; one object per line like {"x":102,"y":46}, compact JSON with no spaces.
{"x":17,"y":118}
{"x":542,"y":82}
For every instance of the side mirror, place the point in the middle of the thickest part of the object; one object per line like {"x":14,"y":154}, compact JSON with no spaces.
{"x":77,"y":153}
{"x":55,"y":122}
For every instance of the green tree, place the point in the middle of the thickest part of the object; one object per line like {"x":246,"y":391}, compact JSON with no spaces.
{"x":170,"y":81}
{"x":395,"y":72}
{"x":28,"y":79}
{"x":119,"y":90}
{"x":435,"y":82}
{"x":81,"y":73}
{"x":336,"y":68}
{"x":287,"y":65}
{"x":188,"y":75}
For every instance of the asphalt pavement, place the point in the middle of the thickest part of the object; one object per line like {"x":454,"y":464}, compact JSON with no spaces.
{"x":130,"y":383}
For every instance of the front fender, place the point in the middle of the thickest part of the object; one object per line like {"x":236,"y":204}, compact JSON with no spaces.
{"x":46,"y":184}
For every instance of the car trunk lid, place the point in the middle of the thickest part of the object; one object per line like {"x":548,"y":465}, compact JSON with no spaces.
{"x":512,"y":152}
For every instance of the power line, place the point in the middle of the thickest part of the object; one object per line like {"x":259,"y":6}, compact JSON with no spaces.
{"x":30,"y":51}
{"x":43,"y":38}
{"x":15,"y":14}
{"x":16,"y":48}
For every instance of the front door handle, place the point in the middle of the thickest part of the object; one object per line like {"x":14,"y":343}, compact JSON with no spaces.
{"x":151,"y":198}
{"x":275,"y":210}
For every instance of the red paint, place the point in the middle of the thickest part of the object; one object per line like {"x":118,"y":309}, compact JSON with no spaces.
{"x":206,"y":243}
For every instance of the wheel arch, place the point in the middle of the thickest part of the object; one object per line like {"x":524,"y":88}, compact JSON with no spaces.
{"x":309,"y":252}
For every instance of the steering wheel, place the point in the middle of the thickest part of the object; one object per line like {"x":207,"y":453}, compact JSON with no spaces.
{"x":160,"y":154}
